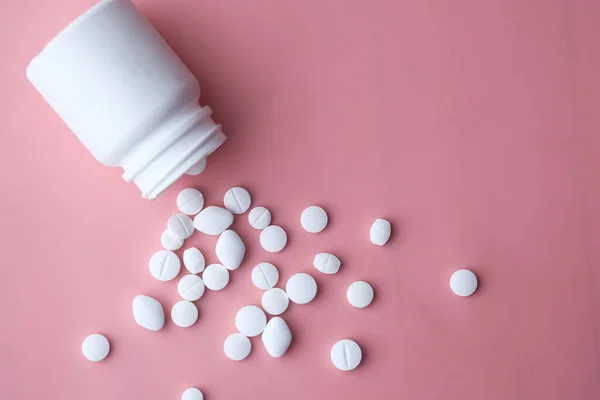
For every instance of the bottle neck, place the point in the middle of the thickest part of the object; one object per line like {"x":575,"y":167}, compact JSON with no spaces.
{"x":171,"y":149}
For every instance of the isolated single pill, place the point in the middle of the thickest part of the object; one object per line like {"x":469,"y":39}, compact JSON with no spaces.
{"x":184,"y":313}
{"x":360,"y":294}
{"x":192,"y":394}
{"x":275,"y":301}
{"x":181,"y":226}
{"x":197,"y":168}
{"x":327,"y":263}
{"x":273,"y":239}
{"x":213,"y":220}
{"x":265,"y":276}
{"x":190,"y":287}
{"x":276,"y":337}
{"x":463,"y":283}
{"x":190,"y":201}
{"x":346,"y":355}
{"x":237,"y":200}
{"x":314,"y":219}
{"x":250,"y":321}
{"x":215,"y":277}
{"x":380,"y":232}
{"x":170,"y":241}
{"x":148,"y":313}
{"x":164,"y":265}
{"x":259,"y":217}
{"x":95,"y":347}
{"x":237,"y":347}
{"x":301,"y":288}
{"x":230,"y":249}
{"x":193,"y":259}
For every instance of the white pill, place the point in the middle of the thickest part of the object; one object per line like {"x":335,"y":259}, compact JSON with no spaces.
{"x":265,"y":276}
{"x":277,"y":337}
{"x":327,"y":263}
{"x":301,"y":288}
{"x":170,"y":241}
{"x":237,"y":347}
{"x":181,"y":226}
{"x":346,"y":355}
{"x":164,"y":265}
{"x":184,"y":313}
{"x":380,"y":232}
{"x":193,"y":259}
{"x":273,"y":239}
{"x":190,"y":287}
{"x":250,"y":321}
{"x":95,"y":347}
{"x":190,"y":201}
{"x":213,"y":220}
{"x":259,"y":218}
{"x":314,"y":219}
{"x":237,"y":200}
{"x":360,"y":294}
{"x":192,"y":394}
{"x":197,"y":168}
{"x":275,"y":301}
{"x":230,"y":249}
{"x":215,"y":277}
{"x":463,"y":283}
{"x":148,"y":313}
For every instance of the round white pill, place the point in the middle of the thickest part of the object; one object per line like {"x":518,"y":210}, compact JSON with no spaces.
{"x":327,"y":263}
{"x":95,"y":347}
{"x":301,"y":288}
{"x":250,"y":321}
{"x":193,"y":259}
{"x":190,"y":287}
{"x":230,"y":249}
{"x":190,"y":201}
{"x":192,"y":394}
{"x":164,"y":265}
{"x":346,"y":355}
{"x":148,"y":313}
{"x":259,"y":218}
{"x":181,"y":226}
{"x":197,"y":168}
{"x":213,"y":220}
{"x":265,"y":276}
{"x":360,"y":294}
{"x":184,"y":314}
{"x":170,"y":241}
{"x":463,"y":283}
{"x":273,"y":239}
{"x":314,"y":219}
{"x":237,"y":347}
{"x":275,"y":301}
{"x":276,"y":337}
{"x":380,"y":232}
{"x":215,"y":277}
{"x":237,"y":200}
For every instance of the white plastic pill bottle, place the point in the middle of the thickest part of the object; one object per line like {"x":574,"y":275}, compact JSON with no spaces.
{"x":126,"y":95}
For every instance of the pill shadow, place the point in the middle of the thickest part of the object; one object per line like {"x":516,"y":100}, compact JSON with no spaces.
{"x":396,"y":235}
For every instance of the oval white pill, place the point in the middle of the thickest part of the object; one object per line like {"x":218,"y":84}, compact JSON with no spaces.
{"x":237,"y":200}
{"x":193,"y":259}
{"x":148,"y":313}
{"x":346,"y":355}
{"x":213,"y":220}
{"x":190,"y":287}
{"x":190,"y":201}
{"x":197,"y":168}
{"x":327,"y":263}
{"x":259,"y":217}
{"x":273,"y":239}
{"x":380,"y":232}
{"x":301,"y":288}
{"x":250,"y":321}
{"x":314,"y":219}
{"x":463,"y":283}
{"x":170,"y":241}
{"x":215,"y":277}
{"x":192,"y":394}
{"x":164,"y":265}
{"x":360,"y":294}
{"x":181,"y":226}
{"x":184,"y":314}
{"x":265,"y":276}
{"x":237,"y":347}
{"x":230,"y":249}
{"x":275,"y":301}
{"x":95,"y":347}
{"x":276,"y":337}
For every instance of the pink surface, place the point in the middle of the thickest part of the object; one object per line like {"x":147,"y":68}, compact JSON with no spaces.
{"x":472,"y":126}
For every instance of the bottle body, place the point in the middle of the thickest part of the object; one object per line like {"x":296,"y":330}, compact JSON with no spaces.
{"x":126,"y":95}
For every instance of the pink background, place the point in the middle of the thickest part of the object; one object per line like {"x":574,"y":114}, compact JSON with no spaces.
{"x":471,"y":125}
